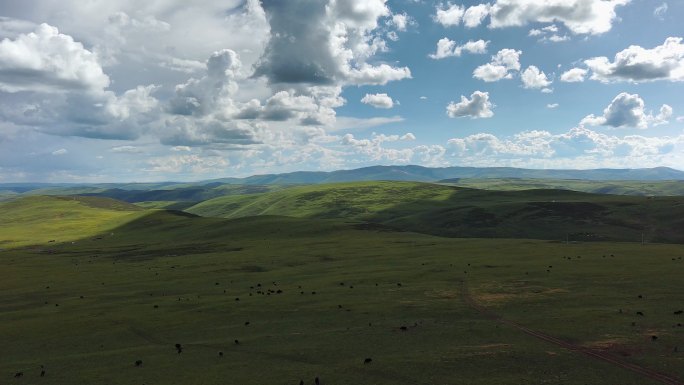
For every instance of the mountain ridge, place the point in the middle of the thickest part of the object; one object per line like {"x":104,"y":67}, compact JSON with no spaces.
{"x":409,"y":173}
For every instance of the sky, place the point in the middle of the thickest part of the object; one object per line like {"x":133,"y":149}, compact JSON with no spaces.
{"x":184,"y":90}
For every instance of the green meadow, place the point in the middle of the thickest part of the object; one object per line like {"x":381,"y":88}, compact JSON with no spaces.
{"x":280,"y":286}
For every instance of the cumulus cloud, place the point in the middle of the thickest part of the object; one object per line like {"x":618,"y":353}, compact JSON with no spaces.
{"x":578,"y":147}
{"x":448,"y":48}
{"x":473,"y":16}
{"x":375,"y":150}
{"x":500,"y":67}
{"x":378,"y":100}
{"x":627,"y":110}
{"x":187,"y":164}
{"x":552,"y":106}
{"x":133,"y":102}
{"x":207,"y":131}
{"x":579,"y":16}
{"x":532,"y":77}
{"x":637,"y":64}
{"x":401,"y":21}
{"x":663,"y":116}
{"x":199,"y":96}
{"x":548,"y":33}
{"x":478,"y":106}
{"x":332,"y":47}
{"x":48,"y":61}
{"x":449,"y":15}
{"x":574,"y":75}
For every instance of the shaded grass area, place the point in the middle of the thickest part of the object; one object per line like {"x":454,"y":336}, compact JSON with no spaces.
{"x":625,"y":187}
{"x":87,"y":311}
{"x":460,"y":212}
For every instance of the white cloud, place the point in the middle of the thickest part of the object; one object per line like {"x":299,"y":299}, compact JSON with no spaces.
{"x":637,"y":64}
{"x":660,"y":11}
{"x":557,"y":38}
{"x":48,"y":61}
{"x":548,"y":33}
{"x":378,"y":100}
{"x":401,"y":21}
{"x":445,"y":48}
{"x":351,"y":123}
{"x":448,"y":48}
{"x":190,"y":164}
{"x":375,"y":150}
{"x":377,"y":75}
{"x":474,"y":15}
{"x":449,"y":15}
{"x":199,"y":96}
{"x":61,"y":151}
{"x":532,"y":77}
{"x":574,"y":75}
{"x":502,"y":63}
{"x":126,"y":150}
{"x":491,"y":73}
{"x":133,"y":102}
{"x":627,"y":110}
{"x":663,"y":116}
{"x":579,"y":16}
{"x":552,"y":106}
{"x":580,"y":147}
{"x":478,"y":106}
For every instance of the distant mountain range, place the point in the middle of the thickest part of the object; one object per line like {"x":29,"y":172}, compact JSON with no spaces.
{"x":427,"y":174}
{"x":390,"y":173}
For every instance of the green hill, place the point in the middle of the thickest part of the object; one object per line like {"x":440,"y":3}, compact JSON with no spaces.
{"x":625,"y":187}
{"x":460,"y":212}
{"x":357,"y":200}
{"x":41,"y":219}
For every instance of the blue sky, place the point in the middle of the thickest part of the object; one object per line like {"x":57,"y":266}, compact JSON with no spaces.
{"x":178,"y":90}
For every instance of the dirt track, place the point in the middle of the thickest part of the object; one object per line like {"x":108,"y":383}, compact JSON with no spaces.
{"x":599,"y":355}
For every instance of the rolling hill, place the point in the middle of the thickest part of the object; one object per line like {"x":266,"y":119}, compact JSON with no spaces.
{"x":42,"y":219}
{"x":626,"y":187}
{"x":374,"y":173}
{"x":460,"y":212}
{"x":427,"y":174}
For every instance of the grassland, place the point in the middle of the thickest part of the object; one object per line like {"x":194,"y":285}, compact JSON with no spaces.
{"x":627,"y":187}
{"x":88,"y":310}
{"x":461,"y":212}
{"x":41,"y":219}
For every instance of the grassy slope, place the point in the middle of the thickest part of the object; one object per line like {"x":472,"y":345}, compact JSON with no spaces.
{"x":357,"y":199}
{"x":656,"y":188}
{"x":193,"y":268}
{"x":449,"y":211}
{"x":39,"y":219}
